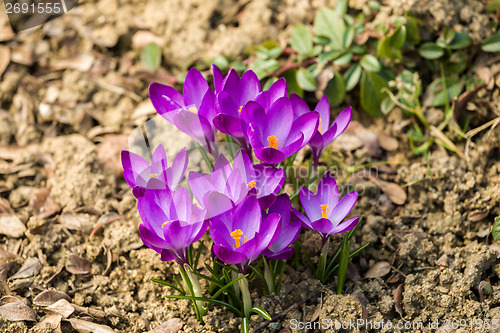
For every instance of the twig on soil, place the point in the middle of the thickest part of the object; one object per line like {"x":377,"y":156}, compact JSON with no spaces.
{"x":284,"y":312}
{"x":119,"y":90}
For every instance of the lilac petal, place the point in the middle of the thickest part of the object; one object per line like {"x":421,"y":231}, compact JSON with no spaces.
{"x":268,"y":179}
{"x":343,"y":208}
{"x":166,"y":255}
{"x":152,"y":215}
{"x":176,"y":234}
{"x":178,"y":168}
{"x":323,"y":108}
{"x":299,"y":106}
{"x":323,"y":226}
{"x":269,"y":155}
{"x":151,"y":239}
{"x":132,"y":164}
{"x":342,"y":121}
{"x":195,"y":87}
{"x":195,"y":126}
{"x":180,"y":209}
{"x":200,"y":185}
{"x":229,"y":125}
{"x":294,"y":144}
{"x":288,"y":235}
{"x":278,"y":121}
{"x":226,"y":104}
{"x":254,"y":136}
{"x":229,"y":256}
{"x":221,"y":163}
{"x":236,"y":189}
{"x":307,"y":124}
{"x":269,"y":230}
{"x":282,"y":207}
{"x":159,"y":160}
{"x":248,"y":88}
{"x":328,"y":192}
{"x":283,"y":254}
{"x":300,"y":217}
{"x":243,"y":163}
{"x":217,"y":77}
{"x":248,"y":217}
{"x":217,"y":204}
{"x":251,"y":248}
{"x":311,"y":204}
{"x":230,"y":82}
{"x":219,"y":228}
{"x":166,"y":100}
{"x":277,"y":89}
{"x":346,"y":225}
{"x":207,"y":107}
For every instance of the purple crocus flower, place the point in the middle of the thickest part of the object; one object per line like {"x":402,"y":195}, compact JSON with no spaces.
{"x":275,"y":133}
{"x":138,"y":172}
{"x":280,"y":249}
{"x":192,"y":112}
{"x":324,"y":210}
{"x":236,"y":182}
{"x":233,"y":93}
{"x":241,"y":234}
{"x":170,"y":223}
{"x":326,"y":132}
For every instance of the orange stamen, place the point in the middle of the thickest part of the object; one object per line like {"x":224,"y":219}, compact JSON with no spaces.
{"x":236,"y":234}
{"x":153,"y":175}
{"x":251,"y":184}
{"x":319,"y":128}
{"x":241,"y":107}
{"x":164,"y":224}
{"x":193,"y":109}
{"x":273,"y":142}
{"x":324,"y":211}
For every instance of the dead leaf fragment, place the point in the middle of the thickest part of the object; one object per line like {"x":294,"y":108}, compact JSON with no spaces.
{"x":141,"y":38}
{"x":49,"y":297}
{"x":109,"y":152}
{"x":52,"y":321}
{"x":394,"y":191}
{"x":84,"y":326}
{"x":31,"y":267}
{"x":387,"y":142}
{"x":478,"y":215}
{"x":170,"y":326}
{"x":82,"y":62}
{"x":4,"y":58}
{"x":11,"y":226}
{"x":398,"y":299}
{"x":17,"y":312}
{"x":378,"y":270}
{"x":103,"y":220}
{"x":77,"y":265}
{"x":62,"y":307}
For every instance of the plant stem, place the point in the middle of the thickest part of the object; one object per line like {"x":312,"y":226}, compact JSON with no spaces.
{"x":247,"y":300}
{"x":193,"y":286}
{"x":268,"y":276}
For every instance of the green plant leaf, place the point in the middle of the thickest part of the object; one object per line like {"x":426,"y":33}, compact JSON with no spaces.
{"x":398,"y":38}
{"x":306,"y":80}
{"x":371,"y":93}
{"x":261,"y":312}
{"x":301,"y":40}
{"x":387,"y":105}
{"x":496,"y":229}
{"x":344,"y":59}
{"x":335,"y":89}
{"x":412,"y":33}
{"x":430,"y":51}
{"x":151,"y":57}
{"x":329,"y":24}
{"x":370,"y":63}
{"x":390,"y":47}
{"x":344,"y":261}
{"x":492,"y":43}
{"x":220,"y":61}
{"x":460,"y":40}
{"x":341,"y":7}
{"x":291,"y":82}
{"x":454,"y":88}
{"x":348,"y":37}
{"x":352,"y":76}
{"x":493,"y":6}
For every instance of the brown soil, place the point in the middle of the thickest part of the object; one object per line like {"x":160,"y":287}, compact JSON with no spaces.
{"x":74,"y":91}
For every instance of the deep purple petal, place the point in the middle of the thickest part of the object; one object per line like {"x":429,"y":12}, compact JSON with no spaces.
{"x":311,"y":204}
{"x":278,"y":121}
{"x":300,"y":217}
{"x":254,"y":136}
{"x":343,"y":208}
{"x":152,"y":216}
{"x":342,"y":121}
{"x":307,"y":124}
{"x":228,"y":125}
{"x":230,"y":82}
{"x":328,"y":192}
{"x":243,"y":163}
{"x":217,"y":77}
{"x":268,"y":179}
{"x":195,"y":87}
{"x":283,"y":254}
{"x":180,"y":209}
{"x":323,"y":108}
{"x":178,"y":169}
{"x":227,"y":105}
{"x":195,"y":126}
{"x":248,"y":217}
{"x":269,"y":230}
{"x":133,"y":164}
{"x":299,"y":106}
{"x":207,"y":107}
{"x":248,"y":88}
{"x":323,"y":226}
{"x":346,"y":225}
{"x":166,"y":100}
{"x":294,"y":144}
{"x":229,"y":256}
{"x":177,"y":234}
{"x":166,"y":255}
{"x":151,"y":239}
{"x":269,"y":155}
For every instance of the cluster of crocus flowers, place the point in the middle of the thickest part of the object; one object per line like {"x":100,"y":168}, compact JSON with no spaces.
{"x":241,"y":202}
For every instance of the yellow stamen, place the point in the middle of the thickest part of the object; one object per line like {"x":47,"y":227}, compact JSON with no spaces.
{"x":273,"y":142}
{"x":164,"y":224}
{"x":251,"y":184}
{"x":319,"y":128}
{"x":236,"y":234}
{"x":324,"y":211}
{"x":241,"y":107}
{"x":153,"y":175}
{"x":193,"y":109}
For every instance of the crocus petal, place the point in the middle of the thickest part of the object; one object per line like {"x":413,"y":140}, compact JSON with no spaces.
{"x":303,"y":219}
{"x":323,"y":108}
{"x":288,"y":235}
{"x":230,"y":82}
{"x":229,"y":125}
{"x":207,"y":107}
{"x":133,"y":164}
{"x":180,"y":209}
{"x":328,"y":192}
{"x":217,"y":77}
{"x":178,"y":168}
{"x":166,"y":255}
{"x":227,"y":105}
{"x":269,"y":155}
{"x":342,"y":121}
{"x":152,"y":216}
{"x":229,"y":256}
{"x":249,"y":216}
{"x":269,"y":230}
{"x":248,"y":88}
{"x":252,"y":112}
{"x":323,"y":226}
{"x":177,"y":234}
{"x":151,"y":239}
{"x":307,"y":124}
{"x":268,"y":179}
{"x":278,"y":121}
{"x":195,"y":87}
{"x":299,"y":106}
{"x":283,"y":254}
{"x":343,"y":208}
{"x":254,"y":136}
{"x":311,"y":204}
{"x":294,"y":144}
{"x":346,"y":225}
{"x":200,"y":185}
{"x":166,"y":100}
{"x":217,"y":203}
{"x":243,"y":163}
{"x":195,"y":126}
{"x":159,"y":160}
